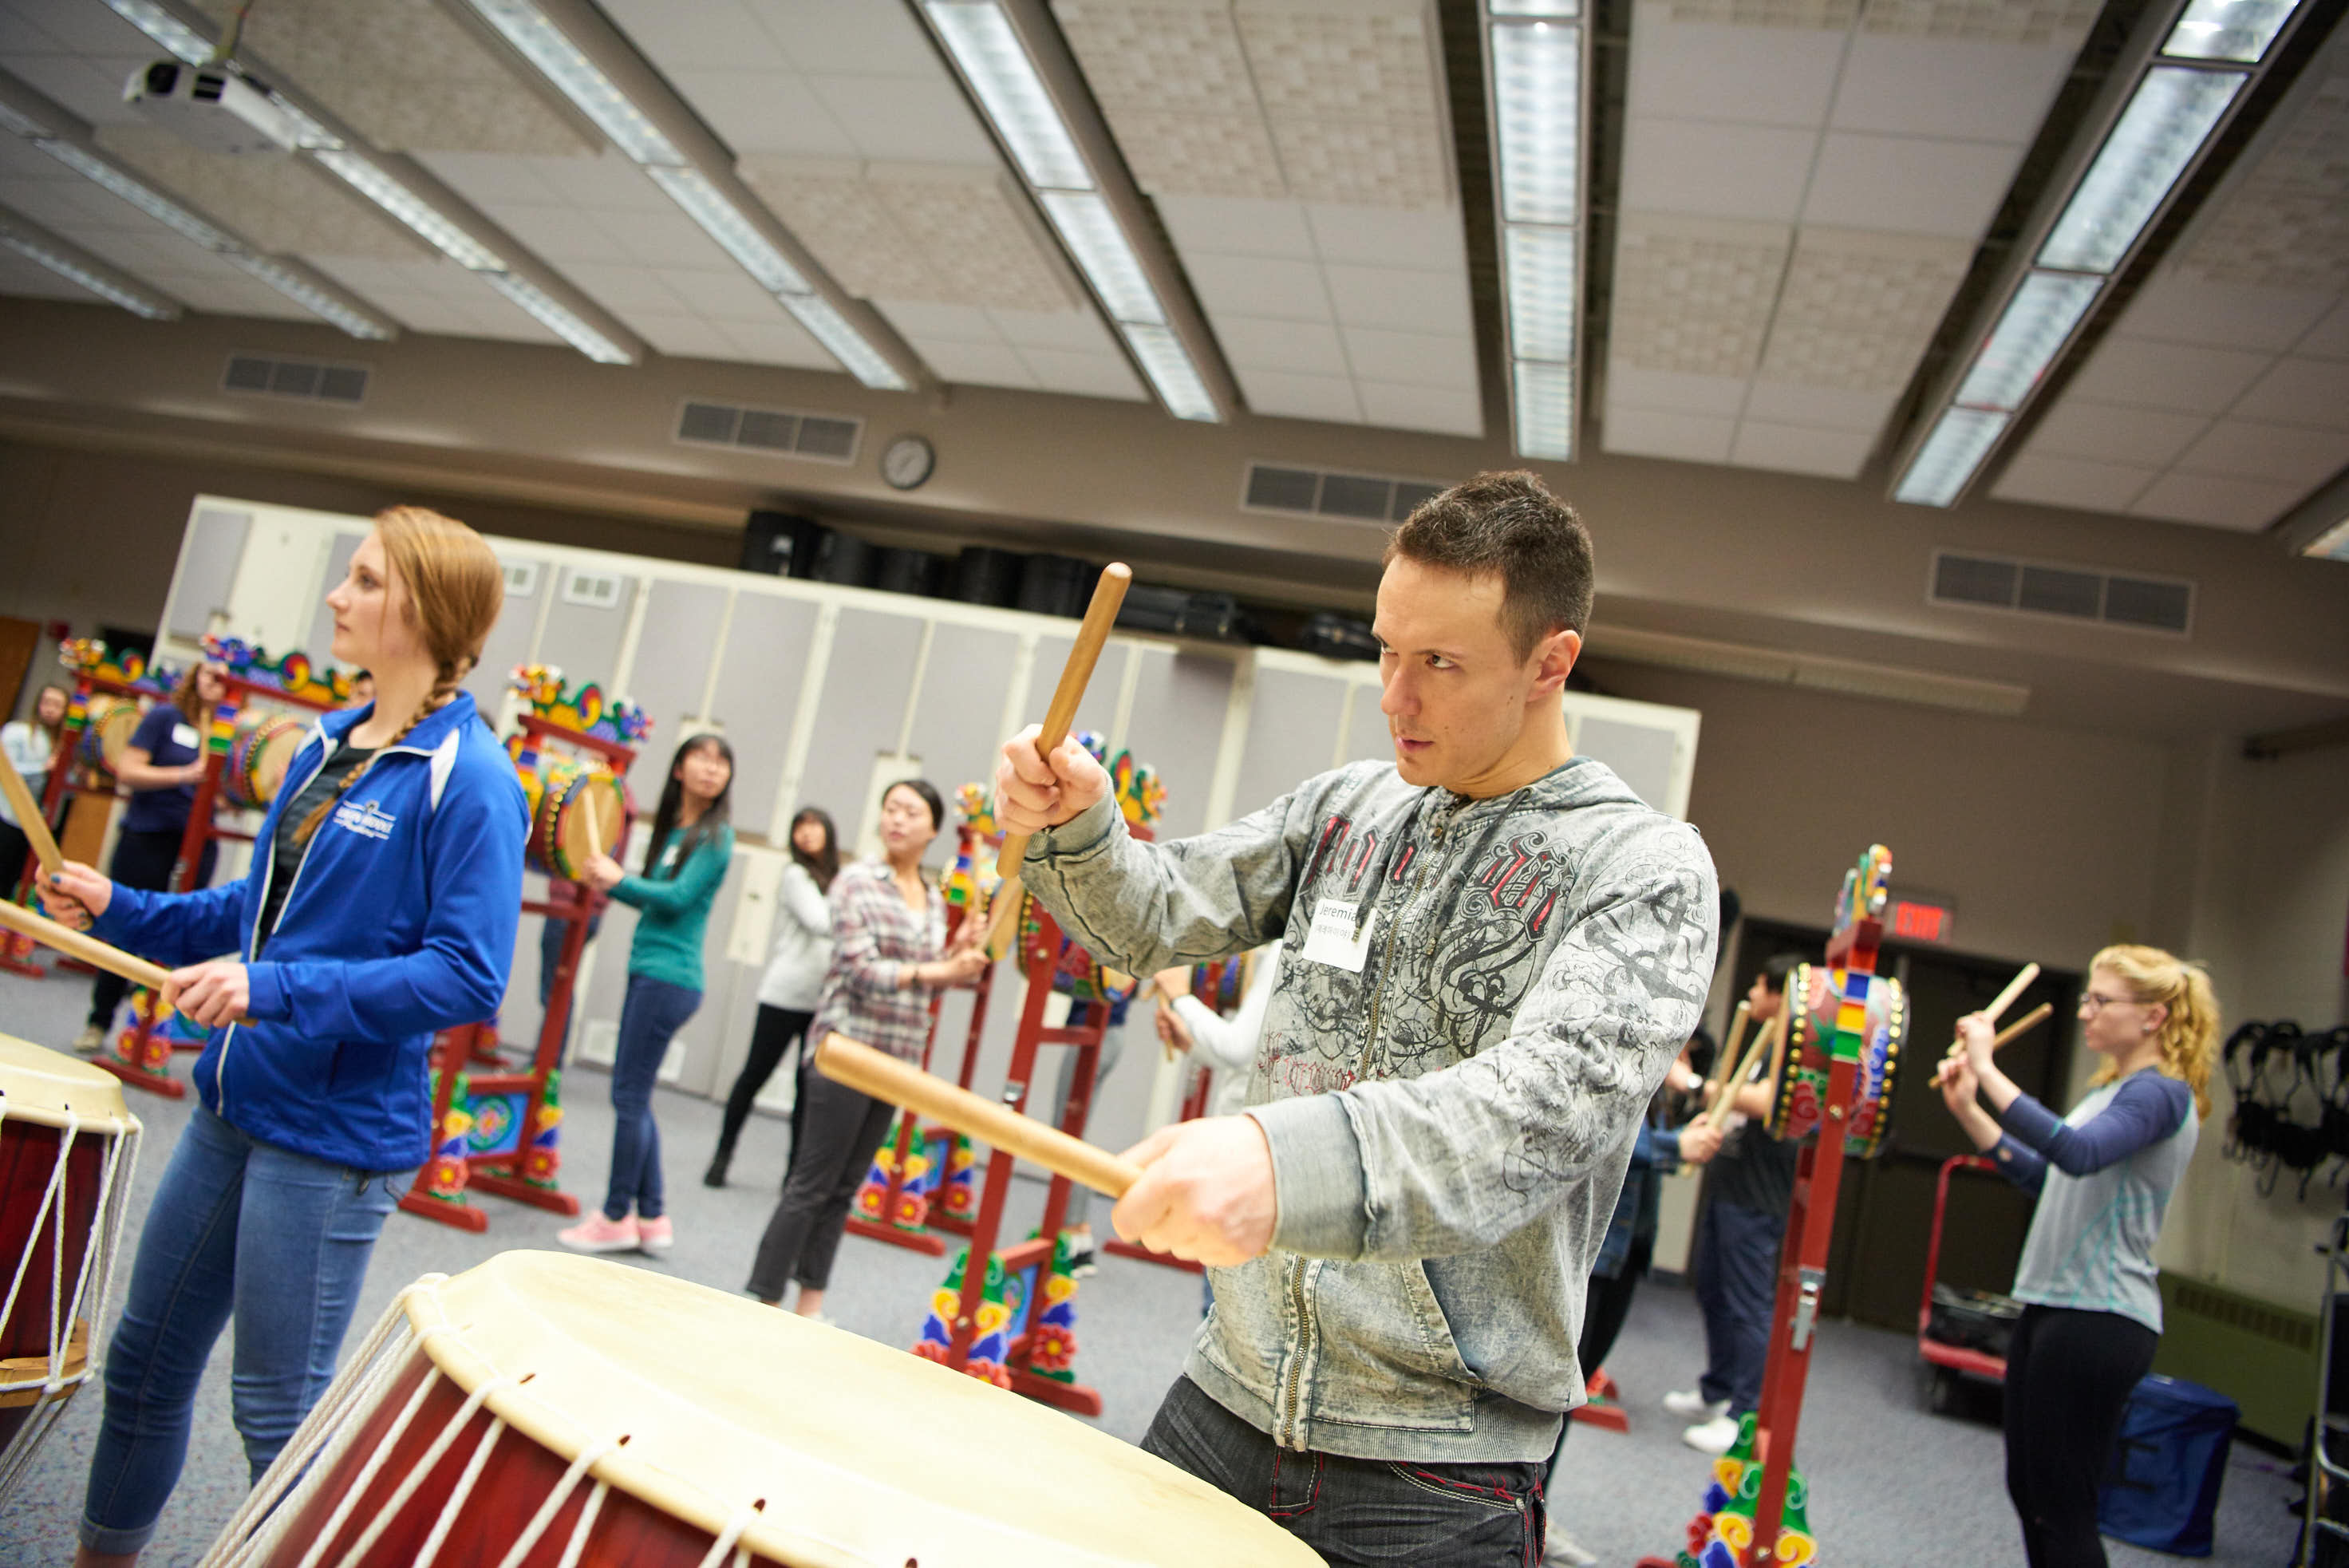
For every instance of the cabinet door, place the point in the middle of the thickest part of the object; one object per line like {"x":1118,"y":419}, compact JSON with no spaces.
{"x":959,"y":711}
{"x":1292,"y":734}
{"x":758,"y":696}
{"x":1176,"y":726}
{"x":669,"y":673}
{"x":859,"y":713}
{"x":207,"y":575}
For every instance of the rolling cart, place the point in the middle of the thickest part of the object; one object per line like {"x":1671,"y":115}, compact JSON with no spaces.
{"x":1960,"y":1334}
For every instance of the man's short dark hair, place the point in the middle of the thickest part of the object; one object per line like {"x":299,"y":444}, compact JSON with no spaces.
{"x":1509,"y":524}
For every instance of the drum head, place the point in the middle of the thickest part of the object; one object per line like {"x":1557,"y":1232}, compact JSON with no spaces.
{"x":593,"y":793}
{"x":273,"y":753}
{"x":726,"y":1402}
{"x":48,"y":1088}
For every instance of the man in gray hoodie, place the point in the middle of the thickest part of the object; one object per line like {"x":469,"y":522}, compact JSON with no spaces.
{"x":1495,"y":949}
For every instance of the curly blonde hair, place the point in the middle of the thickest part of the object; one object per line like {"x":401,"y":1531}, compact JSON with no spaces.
{"x":2189,"y":1035}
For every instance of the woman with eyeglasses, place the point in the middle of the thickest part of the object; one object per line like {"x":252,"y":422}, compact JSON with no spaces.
{"x":2092,"y":1312}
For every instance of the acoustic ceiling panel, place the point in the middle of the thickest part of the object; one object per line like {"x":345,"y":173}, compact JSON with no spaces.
{"x":279,"y":202}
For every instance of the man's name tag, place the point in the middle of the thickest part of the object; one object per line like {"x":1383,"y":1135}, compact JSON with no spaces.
{"x":1333,"y":939}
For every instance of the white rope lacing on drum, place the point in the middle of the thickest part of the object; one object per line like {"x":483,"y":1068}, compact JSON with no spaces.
{"x":415,"y":1478}
{"x":744,"y":1518}
{"x":51,"y":1211}
{"x":587,"y":1525}
{"x":463,"y":1490}
{"x":553,"y":1505}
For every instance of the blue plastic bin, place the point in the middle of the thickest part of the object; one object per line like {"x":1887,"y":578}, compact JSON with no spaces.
{"x":2162,"y":1491}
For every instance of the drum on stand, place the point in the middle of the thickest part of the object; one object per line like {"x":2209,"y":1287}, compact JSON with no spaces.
{"x":545,"y":1409}
{"x":112,"y":721}
{"x":563,"y":793}
{"x":264,"y":746}
{"x":1799,"y":1089}
{"x":67,"y":1147}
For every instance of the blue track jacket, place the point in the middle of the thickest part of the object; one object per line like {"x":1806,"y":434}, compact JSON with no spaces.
{"x":401,"y":924}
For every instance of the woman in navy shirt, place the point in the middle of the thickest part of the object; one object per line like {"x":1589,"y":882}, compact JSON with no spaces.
{"x":160,"y":767}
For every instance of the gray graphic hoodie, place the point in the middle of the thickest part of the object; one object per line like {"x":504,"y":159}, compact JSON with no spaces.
{"x":1450,"y":1104}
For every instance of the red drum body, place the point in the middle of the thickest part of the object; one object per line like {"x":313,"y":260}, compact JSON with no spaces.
{"x":1799,"y":1092}
{"x":113,"y":721}
{"x":67,"y":1146}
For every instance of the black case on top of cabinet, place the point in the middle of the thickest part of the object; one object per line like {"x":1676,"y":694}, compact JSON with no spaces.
{"x":845,"y":559}
{"x":910,"y":572}
{"x":781,"y":543}
{"x":1176,"y":612}
{"x":1057,"y":585}
{"x":985,"y":576}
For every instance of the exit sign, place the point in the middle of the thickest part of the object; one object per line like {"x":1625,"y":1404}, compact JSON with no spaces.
{"x":1921,"y":919}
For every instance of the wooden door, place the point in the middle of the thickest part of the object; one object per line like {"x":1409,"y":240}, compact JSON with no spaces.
{"x":19,"y":641}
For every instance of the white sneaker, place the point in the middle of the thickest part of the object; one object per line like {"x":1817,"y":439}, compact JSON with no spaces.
{"x":1563,"y":1550}
{"x":1714,"y":1437}
{"x":1690,"y":1404}
{"x":90,"y":1041}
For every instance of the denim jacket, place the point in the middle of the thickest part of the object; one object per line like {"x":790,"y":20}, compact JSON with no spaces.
{"x":1450,"y":1105}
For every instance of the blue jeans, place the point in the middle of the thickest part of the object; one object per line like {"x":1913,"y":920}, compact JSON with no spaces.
{"x":1736,"y":1269}
{"x":650,"y":1017}
{"x":1358,"y":1512}
{"x":239,"y":1228}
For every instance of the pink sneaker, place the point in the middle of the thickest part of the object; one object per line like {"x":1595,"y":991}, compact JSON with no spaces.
{"x":655,"y":1236}
{"x":597,"y":1235}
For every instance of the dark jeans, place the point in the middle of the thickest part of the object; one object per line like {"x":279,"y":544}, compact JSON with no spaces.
{"x":1604,"y":1305}
{"x":771,"y":1039}
{"x":239,"y":1228}
{"x":2068,"y":1378}
{"x":1358,"y":1510}
{"x":142,"y":860}
{"x":837,"y":1132}
{"x":650,"y":1017}
{"x":1736,"y":1269}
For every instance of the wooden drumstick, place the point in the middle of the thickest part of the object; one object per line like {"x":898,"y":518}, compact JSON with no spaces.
{"x":1717,"y":1112}
{"x":2030,"y":1020}
{"x":588,"y":815}
{"x":79,"y":944}
{"x":883,"y":1077}
{"x":1109,"y":592}
{"x":2014,"y":988}
{"x":28,"y":814}
{"x":1728,"y":1053}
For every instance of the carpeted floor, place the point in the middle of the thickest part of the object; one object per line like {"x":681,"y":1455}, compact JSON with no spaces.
{"x":1893,"y":1487}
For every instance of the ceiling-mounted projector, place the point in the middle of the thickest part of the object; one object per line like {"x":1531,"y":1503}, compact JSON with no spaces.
{"x":210,"y":107}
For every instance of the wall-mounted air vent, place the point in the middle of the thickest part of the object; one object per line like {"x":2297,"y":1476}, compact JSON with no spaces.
{"x":2068,"y":593}
{"x":272,"y":376}
{"x":595,"y":590}
{"x":787,"y":433}
{"x":1316,"y":492}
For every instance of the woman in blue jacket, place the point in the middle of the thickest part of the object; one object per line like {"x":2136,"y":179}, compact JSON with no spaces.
{"x":380,"y":907}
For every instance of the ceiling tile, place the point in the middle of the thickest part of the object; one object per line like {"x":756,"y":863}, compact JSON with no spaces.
{"x":2329,"y":338}
{"x":1763,"y":75}
{"x":1178,"y":153}
{"x":1259,"y":285}
{"x":1077,"y":329}
{"x":1631,"y":386}
{"x":677,"y":336}
{"x":2178,"y":308}
{"x":977,"y":235}
{"x":495,"y":179}
{"x":729,"y":295}
{"x":779,"y":342}
{"x":2145,"y":374}
{"x":2284,"y":220}
{"x":708,"y":34}
{"x":617,"y":285}
{"x":976,"y":364}
{"x":84,"y":87}
{"x":1800,"y":449}
{"x":923,"y":320}
{"x":1085,"y":375}
{"x":1288,"y":395}
{"x":2300,"y":391}
{"x":277,"y":202}
{"x":2054,"y":24}
{"x":837,"y":213}
{"x":561,"y":235}
{"x":1694,"y":295}
{"x":2283,"y":454}
{"x":2054,"y":481}
{"x":1859,"y":310}
{"x":1326,"y":60}
{"x":1398,"y":163}
{"x":1909,"y":185}
{"x":1181,"y":57}
{"x":2246,"y":506}
{"x":1947,"y":88}
{"x":63,"y":204}
{"x":1382,"y":236}
{"x":1649,"y":432}
{"x":1400,"y":299}
{"x":610,"y":182}
{"x":848,"y":36}
{"x":2149,"y":438}
{"x":1303,"y":348}
{"x":1446,"y":411}
{"x":1413,"y":359}
{"x":1724,"y":171}
{"x":1824,"y":408}
{"x":667,"y":239}
{"x":1832,"y":15}
{"x":764,"y":112}
{"x":916,"y":120}
{"x":1238,"y":226}
{"x":29,"y":280}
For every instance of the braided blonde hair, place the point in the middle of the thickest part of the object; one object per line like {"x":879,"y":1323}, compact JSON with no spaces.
{"x":455,"y":590}
{"x":2189,"y":1035}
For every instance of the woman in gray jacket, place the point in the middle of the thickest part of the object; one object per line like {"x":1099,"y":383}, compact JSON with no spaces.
{"x":794,"y":976}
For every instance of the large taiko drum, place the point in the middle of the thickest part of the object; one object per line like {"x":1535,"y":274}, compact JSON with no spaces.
{"x":112,"y":721}
{"x":563,"y":793}
{"x":545,"y":1409}
{"x":261,"y":750}
{"x":67,"y":1147}
{"x":1799,"y":1089}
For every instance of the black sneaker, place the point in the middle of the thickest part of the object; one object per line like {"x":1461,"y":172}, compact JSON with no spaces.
{"x":716,"y":1175}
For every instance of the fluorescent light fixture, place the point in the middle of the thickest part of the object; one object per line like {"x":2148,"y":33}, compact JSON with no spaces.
{"x":1094,"y":237}
{"x":1543,"y":398}
{"x":1946,"y":463}
{"x":995,"y":64}
{"x":2031,"y":330}
{"x":1544,"y":292}
{"x":18,"y":123}
{"x":372,"y":181}
{"x":154,"y":307}
{"x":1567,"y":9}
{"x":1170,"y":371}
{"x":559,"y":319}
{"x":165,"y":29}
{"x":726,"y":223}
{"x":307,"y":133}
{"x":2238,"y":30}
{"x":830,"y":327}
{"x":2165,"y":123}
{"x":1538,"y":105}
{"x":139,"y":193}
{"x":2333,"y":544}
{"x":577,"y":77}
{"x":310,"y":296}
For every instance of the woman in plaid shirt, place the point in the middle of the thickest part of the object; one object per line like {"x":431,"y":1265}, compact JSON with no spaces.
{"x":888,"y":954}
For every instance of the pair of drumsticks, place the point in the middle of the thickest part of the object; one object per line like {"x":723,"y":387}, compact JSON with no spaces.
{"x":1999,"y":1004}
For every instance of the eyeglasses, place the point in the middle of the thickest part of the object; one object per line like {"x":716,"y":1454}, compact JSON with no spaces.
{"x":2093,"y":1002}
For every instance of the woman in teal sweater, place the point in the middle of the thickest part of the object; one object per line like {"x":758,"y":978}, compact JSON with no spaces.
{"x":685,"y":861}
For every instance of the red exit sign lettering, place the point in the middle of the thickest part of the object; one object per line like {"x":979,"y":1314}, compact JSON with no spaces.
{"x":1916,"y":921}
